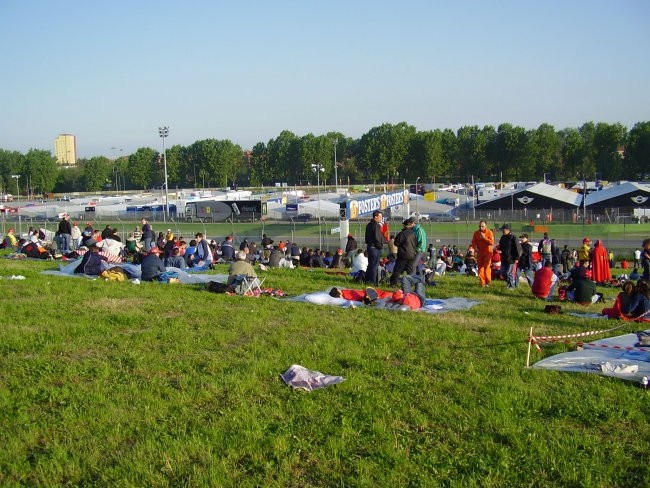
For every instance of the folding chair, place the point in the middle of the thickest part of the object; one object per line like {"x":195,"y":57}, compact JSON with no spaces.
{"x":248,"y":285}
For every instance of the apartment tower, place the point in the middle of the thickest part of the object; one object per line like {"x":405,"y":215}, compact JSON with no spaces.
{"x":65,"y":150}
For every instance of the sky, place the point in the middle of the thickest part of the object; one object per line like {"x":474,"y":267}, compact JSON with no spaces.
{"x":112,"y":73}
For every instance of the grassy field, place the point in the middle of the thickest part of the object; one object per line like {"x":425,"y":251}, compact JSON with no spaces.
{"x":115,"y":384}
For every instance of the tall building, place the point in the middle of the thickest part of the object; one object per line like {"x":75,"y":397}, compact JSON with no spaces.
{"x":65,"y":150}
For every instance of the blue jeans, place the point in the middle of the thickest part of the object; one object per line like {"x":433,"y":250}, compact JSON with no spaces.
{"x":66,"y":240}
{"x":148,"y":244}
{"x":409,"y":282}
{"x":530,"y":275}
{"x":373,"y":264}
{"x":509,"y":272}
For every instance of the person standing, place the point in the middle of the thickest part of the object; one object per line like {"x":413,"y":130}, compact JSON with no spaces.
{"x":483,"y":242}
{"x":406,"y":243}
{"x":584,"y":253}
{"x":76,"y":235}
{"x":645,"y":260}
{"x":510,"y":253}
{"x":421,"y":251}
{"x":546,"y":248}
{"x":600,"y":271}
{"x":526,"y":264}
{"x":65,"y":234}
{"x":148,"y":235}
{"x":637,"y":258}
{"x":375,"y":241}
{"x":350,"y":250}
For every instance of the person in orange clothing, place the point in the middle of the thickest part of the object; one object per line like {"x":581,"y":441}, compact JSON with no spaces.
{"x":483,"y":242}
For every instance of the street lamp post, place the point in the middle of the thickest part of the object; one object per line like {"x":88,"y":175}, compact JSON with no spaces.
{"x":336,"y":175}
{"x":164,"y":132}
{"x":17,"y":189}
{"x":317,"y":167}
{"x":417,"y":206}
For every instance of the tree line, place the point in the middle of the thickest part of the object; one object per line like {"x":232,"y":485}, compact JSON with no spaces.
{"x":389,"y":152}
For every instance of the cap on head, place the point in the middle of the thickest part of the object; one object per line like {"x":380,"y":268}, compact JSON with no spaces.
{"x":523,"y":236}
{"x":409,"y":221}
{"x":586,"y":240}
{"x":505,"y":227}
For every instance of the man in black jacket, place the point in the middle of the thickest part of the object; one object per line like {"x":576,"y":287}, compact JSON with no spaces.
{"x":406,"y":243}
{"x":375,"y":241}
{"x":510,"y":252}
{"x":65,"y":231}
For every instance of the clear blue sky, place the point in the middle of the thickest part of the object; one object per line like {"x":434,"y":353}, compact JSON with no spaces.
{"x":112,"y":72}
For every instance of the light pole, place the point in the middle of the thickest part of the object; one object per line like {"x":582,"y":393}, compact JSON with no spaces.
{"x":17,"y":189}
{"x":336,"y":175}
{"x":317,"y":167}
{"x":164,"y":132}
{"x":417,"y":206}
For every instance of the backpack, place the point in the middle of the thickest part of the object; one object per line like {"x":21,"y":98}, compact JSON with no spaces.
{"x":113,"y":274}
{"x":547,"y":245}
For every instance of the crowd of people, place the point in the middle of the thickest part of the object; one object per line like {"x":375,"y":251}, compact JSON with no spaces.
{"x":552,"y":271}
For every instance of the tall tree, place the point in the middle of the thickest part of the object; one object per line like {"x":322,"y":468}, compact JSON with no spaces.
{"x":608,"y":140}
{"x":142,"y":165}
{"x":42,"y":169}
{"x":95,"y":171}
{"x":11,"y":163}
{"x":637,"y":152}
{"x":545,"y":152}
{"x":385,"y":150}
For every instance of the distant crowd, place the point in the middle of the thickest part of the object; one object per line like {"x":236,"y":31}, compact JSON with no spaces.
{"x":404,"y":259}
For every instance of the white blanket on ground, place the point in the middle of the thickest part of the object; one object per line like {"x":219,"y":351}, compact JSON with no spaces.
{"x":134,"y":271}
{"x":431,"y":305}
{"x":300,"y":377}
{"x":614,"y":356}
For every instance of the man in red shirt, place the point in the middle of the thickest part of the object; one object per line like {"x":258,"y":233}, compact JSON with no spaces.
{"x":544,"y":282}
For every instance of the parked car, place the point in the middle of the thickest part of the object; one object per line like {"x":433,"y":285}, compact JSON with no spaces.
{"x":420,"y":216}
{"x":304,"y":217}
{"x":444,"y":217}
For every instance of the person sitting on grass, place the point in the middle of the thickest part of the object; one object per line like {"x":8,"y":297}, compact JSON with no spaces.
{"x":175,"y":260}
{"x":239,"y":267}
{"x":583,"y":291}
{"x":152,"y":265}
{"x":91,"y":262}
{"x":545,"y":281}
{"x":622,"y":302}
{"x":640,"y":305}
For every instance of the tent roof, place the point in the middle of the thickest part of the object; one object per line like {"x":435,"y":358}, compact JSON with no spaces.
{"x":540,"y":195}
{"x":618,"y":192}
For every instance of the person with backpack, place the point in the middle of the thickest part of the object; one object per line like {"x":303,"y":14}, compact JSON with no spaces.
{"x":546,"y":248}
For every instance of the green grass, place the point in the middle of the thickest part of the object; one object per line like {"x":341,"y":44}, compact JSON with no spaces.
{"x":115,"y":384}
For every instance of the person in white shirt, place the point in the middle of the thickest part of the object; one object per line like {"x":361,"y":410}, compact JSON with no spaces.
{"x":359,"y":262}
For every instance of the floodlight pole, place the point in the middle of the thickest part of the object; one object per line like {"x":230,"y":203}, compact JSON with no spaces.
{"x":164,"y":132}
{"x":17,"y":189}
{"x":336,"y":176}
